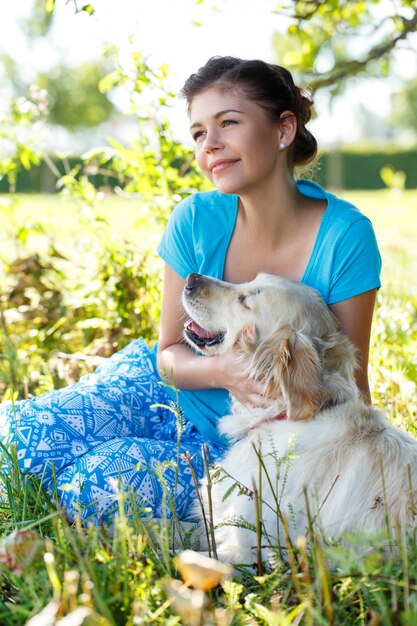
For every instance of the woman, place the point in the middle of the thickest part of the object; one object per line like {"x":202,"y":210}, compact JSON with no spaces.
{"x":248,"y":121}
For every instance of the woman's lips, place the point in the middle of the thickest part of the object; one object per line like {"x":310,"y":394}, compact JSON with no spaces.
{"x":219,"y":166}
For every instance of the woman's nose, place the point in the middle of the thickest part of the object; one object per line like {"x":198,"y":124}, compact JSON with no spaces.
{"x":211,"y":141}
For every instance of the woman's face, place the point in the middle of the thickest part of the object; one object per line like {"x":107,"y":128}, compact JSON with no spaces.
{"x":236,"y":144}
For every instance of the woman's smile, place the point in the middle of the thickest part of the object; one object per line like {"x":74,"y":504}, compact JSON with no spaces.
{"x":221,"y":164}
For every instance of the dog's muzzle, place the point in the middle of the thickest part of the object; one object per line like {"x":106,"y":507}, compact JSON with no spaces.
{"x":195,"y":333}
{"x":200,"y":336}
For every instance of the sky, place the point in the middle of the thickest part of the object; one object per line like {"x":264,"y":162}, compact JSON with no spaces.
{"x":166,"y":31}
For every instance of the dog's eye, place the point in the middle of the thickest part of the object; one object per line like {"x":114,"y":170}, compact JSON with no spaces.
{"x":242,"y":301}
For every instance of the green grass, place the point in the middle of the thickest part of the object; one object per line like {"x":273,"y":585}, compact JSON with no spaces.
{"x":57,"y":217}
{"x":124,"y":576}
{"x":393,"y":214}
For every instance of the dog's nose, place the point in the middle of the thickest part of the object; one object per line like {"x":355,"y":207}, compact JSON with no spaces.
{"x":192,"y":282}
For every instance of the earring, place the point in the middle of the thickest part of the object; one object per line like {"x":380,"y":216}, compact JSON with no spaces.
{"x":282,"y":146}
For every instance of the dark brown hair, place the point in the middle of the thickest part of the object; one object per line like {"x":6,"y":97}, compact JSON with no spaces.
{"x":270,"y":86}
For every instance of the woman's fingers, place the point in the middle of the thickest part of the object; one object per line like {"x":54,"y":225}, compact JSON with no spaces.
{"x":258,"y":401}
{"x":248,"y":391}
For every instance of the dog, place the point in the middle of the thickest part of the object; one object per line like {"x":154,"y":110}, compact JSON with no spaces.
{"x":318,"y":455}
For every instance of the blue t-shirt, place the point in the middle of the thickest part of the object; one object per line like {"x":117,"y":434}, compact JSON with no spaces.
{"x":345,"y":262}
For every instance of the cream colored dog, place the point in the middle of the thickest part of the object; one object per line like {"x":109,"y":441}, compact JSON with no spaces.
{"x":318,"y":441}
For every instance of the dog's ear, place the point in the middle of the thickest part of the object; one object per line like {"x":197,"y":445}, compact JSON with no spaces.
{"x":298,"y":373}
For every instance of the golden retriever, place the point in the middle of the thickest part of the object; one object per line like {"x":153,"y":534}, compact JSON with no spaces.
{"x":318,"y":443}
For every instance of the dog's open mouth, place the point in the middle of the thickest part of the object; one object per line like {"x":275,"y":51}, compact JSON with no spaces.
{"x":200,"y":336}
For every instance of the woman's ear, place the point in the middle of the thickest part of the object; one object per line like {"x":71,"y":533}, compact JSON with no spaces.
{"x":298,"y":373}
{"x":287,"y":129}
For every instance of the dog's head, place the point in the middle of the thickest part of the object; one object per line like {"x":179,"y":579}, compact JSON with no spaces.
{"x":284,"y":327}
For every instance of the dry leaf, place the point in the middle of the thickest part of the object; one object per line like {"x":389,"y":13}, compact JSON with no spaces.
{"x":18,"y":549}
{"x":189,"y":604}
{"x":200,"y":571}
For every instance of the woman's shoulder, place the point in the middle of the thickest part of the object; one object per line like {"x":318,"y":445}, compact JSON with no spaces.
{"x":346,"y":260}
{"x":338,"y":208}
{"x":197,"y":233}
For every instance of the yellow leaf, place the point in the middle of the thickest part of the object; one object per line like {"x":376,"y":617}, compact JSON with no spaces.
{"x":199,"y":571}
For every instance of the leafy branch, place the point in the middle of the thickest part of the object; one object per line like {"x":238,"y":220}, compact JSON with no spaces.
{"x":351,"y":68}
{"x":345,"y":37}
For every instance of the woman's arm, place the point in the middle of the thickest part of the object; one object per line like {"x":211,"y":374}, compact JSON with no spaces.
{"x":355,"y":316}
{"x":175,"y":359}
{"x":177,"y":362}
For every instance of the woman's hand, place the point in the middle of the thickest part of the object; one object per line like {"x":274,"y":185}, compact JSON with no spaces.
{"x":233,"y":374}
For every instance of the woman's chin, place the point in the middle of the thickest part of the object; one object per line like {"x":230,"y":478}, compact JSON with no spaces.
{"x":227,"y":187}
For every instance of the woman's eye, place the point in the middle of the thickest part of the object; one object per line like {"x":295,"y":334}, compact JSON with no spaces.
{"x":228,"y":122}
{"x":197,"y":135}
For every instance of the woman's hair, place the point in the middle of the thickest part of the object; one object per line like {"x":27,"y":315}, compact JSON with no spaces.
{"x":270,"y":86}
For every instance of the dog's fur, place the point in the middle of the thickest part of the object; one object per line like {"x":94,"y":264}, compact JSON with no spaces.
{"x":350,"y":462}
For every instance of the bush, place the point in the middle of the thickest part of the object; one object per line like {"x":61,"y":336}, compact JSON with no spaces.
{"x":357,"y":169}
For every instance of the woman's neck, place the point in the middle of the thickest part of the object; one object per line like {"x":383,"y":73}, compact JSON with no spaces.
{"x":271,"y":214}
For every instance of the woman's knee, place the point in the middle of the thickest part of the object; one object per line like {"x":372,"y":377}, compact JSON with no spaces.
{"x":141,"y":476}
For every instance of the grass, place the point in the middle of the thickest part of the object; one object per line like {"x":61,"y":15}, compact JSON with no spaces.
{"x":393,"y":215}
{"x":391,"y":212}
{"x":127,"y":576}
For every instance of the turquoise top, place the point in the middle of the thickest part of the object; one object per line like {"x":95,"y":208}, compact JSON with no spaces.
{"x":344,"y":262}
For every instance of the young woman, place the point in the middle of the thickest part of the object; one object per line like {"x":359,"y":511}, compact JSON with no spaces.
{"x":103,"y":434}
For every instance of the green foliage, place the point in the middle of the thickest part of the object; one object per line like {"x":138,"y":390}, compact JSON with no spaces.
{"x":393,"y":179}
{"x":20,"y":129}
{"x":367,"y":168}
{"x":394,"y":363}
{"x":154,"y":165}
{"x":404,"y":109}
{"x":328,"y":42}
{"x":75,"y":100}
{"x":39,"y":21}
{"x":116,"y":295}
{"x":104,"y":294}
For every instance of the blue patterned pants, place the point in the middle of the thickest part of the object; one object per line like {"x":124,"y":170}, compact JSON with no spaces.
{"x":103,"y":435}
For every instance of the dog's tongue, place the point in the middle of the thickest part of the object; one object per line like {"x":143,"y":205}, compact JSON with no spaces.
{"x":199,"y":330}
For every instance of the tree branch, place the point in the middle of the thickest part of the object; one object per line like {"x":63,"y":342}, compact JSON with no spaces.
{"x":352,"y":68}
